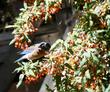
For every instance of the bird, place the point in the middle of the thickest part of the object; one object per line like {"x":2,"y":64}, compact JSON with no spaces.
{"x":35,"y":51}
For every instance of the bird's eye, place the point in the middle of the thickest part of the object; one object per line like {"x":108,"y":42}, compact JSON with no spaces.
{"x":48,"y":46}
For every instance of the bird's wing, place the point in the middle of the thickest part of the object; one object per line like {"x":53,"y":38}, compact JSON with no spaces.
{"x":22,"y":58}
{"x":18,"y":60}
{"x":30,"y":49}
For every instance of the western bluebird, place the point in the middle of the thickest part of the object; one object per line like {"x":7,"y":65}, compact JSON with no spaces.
{"x":35,"y":52}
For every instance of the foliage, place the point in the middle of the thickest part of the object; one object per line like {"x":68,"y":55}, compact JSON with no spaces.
{"x":81,"y":63}
{"x":30,"y":71}
{"x":30,"y":18}
{"x":83,"y":58}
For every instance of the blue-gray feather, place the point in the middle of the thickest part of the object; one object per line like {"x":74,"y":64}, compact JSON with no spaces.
{"x":25,"y":52}
{"x":30,"y":49}
{"x":18,"y":60}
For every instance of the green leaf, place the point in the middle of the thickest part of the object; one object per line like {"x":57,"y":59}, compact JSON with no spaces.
{"x":69,"y":66}
{"x":107,"y":17}
{"x":49,"y":89}
{"x":35,"y":64}
{"x":26,"y":36}
{"x":84,"y":80}
{"x":59,"y":41}
{"x":46,"y":16}
{"x":93,"y":0}
{"x":66,"y":45}
{"x":22,"y":9}
{"x":76,"y":73}
{"x":12,"y":41}
{"x":58,"y":81}
{"x":103,"y":88}
{"x":11,"y":26}
{"x":84,"y":60}
{"x":95,"y":58}
{"x":108,"y":88}
{"x":108,"y":53}
{"x":25,"y":5}
{"x":70,"y":51}
{"x":78,"y":79}
{"x":31,"y":73}
{"x":20,"y":80}
{"x":98,"y":71}
{"x":101,"y":31}
{"x":91,"y":23}
{"x":87,"y":54}
{"x":35,"y":5}
{"x":85,"y":6}
{"x":87,"y":74}
{"x":89,"y":90}
{"x":108,"y":22}
{"x":18,"y":69}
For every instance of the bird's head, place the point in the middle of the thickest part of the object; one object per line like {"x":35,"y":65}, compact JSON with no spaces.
{"x":45,"y":46}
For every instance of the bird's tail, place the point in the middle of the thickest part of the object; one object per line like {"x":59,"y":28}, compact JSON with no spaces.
{"x":18,"y":60}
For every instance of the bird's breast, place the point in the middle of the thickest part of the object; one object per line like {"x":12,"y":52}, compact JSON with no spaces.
{"x":36,"y":55}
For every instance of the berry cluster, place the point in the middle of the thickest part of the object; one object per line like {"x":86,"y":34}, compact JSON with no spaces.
{"x":32,"y":79}
{"x":31,"y":17}
{"x":81,"y":54}
{"x":21,"y":39}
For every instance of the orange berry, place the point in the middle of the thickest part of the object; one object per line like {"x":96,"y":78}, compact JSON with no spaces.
{"x":19,"y":45}
{"x":94,"y":78}
{"x":22,"y":46}
{"x":16,"y":43}
{"x":36,"y":29}
{"x":42,"y":4}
